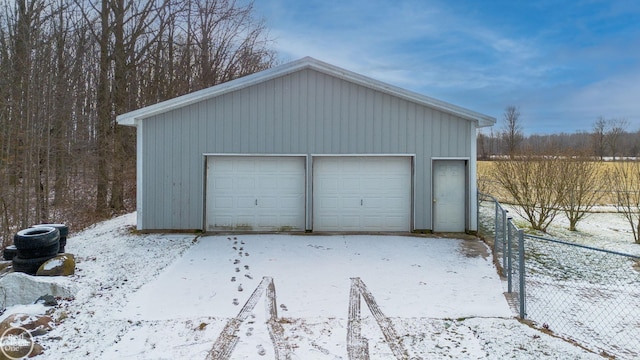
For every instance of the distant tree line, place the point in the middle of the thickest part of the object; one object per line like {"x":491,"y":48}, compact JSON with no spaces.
{"x":69,"y":67}
{"x":563,"y":174}
{"x":609,"y":139}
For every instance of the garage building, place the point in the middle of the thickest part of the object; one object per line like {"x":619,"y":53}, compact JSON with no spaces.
{"x":306,"y":146}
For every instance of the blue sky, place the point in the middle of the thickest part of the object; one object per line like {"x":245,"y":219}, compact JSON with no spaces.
{"x":563,"y":63}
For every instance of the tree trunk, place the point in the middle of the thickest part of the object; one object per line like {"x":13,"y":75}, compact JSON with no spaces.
{"x":104,"y":114}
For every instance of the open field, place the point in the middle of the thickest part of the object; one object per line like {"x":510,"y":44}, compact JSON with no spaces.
{"x":488,"y":185}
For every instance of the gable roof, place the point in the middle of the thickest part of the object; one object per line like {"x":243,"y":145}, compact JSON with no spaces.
{"x":130,"y":118}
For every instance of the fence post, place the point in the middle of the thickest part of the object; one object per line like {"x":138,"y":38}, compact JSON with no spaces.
{"x":521,"y":273}
{"x":496,"y":221}
{"x":505,"y":228}
{"x":509,"y":267}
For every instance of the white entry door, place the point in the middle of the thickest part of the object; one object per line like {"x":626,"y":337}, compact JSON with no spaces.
{"x":449,"y":196}
{"x":361,"y":193}
{"x":259,"y":193}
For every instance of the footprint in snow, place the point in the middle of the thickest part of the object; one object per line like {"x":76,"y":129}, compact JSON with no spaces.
{"x":261,"y":350}
{"x":233,"y":279}
{"x":248,"y":276}
{"x":235,"y":302}
{"x":246,"y":254}
{"x":246,"y":267}
{"x":237,"y":269}
{"x":237,"y":261}
{"x":283,"y":307}
{"x":240,"y":287}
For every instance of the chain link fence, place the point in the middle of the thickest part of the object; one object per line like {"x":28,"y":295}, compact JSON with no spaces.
{"x":588,"y":295}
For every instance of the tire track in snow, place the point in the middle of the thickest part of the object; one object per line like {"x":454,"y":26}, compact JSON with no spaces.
{"x":357,"y":348}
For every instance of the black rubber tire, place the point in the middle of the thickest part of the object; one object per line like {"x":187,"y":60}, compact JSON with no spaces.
{"x":29,"y":266}
{"x":33,"y":238}
{"x":9,"y":252}
{"x":39,"y":252}
{"x":62,"y":228}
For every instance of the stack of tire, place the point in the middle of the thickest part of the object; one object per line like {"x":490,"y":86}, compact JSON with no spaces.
{"x":35,"y":245}
{"x":64,"y":232}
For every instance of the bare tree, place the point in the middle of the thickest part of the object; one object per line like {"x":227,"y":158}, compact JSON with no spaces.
{"x":68,"y":67}
{"x":584,"y":187}
{"x":617,"y":128}
{"x":512,"y":131}
{"x":624,"y":180}
{"x":482,"y":143}
{"x":534,"y":184}
{"x":598,"y":137}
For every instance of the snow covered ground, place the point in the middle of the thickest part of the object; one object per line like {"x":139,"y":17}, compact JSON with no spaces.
{"x":587,"y":295}
{"x":169,"y":296}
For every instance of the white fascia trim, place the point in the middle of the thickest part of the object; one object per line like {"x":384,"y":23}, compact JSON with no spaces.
{"x":363,"y":155}
{"x":139,"y":177}
{"x":254,"y":155}
{"x":473,"y":184}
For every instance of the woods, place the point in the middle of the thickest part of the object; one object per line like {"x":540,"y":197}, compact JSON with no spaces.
{"x":68,"y":67}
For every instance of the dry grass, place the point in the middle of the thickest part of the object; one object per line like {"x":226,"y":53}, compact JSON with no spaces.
{"x":488,"y":185}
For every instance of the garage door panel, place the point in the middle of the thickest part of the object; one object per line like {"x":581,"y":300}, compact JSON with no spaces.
{"x":350,"y":222}
{"x":288,"y":181}
{"x":394,"y":222}
{"x":290,"y":203}
{"x":393,"y":203}
{"x":268,"y":182}
{"x":328,"y":221}
{"x":245,"y":183}
{"x":332,"y":203}
{"x":375,"y":203}
{"x":244,"y":166}
{"x":372,"y":221}
{"x":266,"y":220}
{"x":255,"y":193}
{"x":369,"y":190}
{"x":372,"y":185}
{"x":267,"y":203}
{"x":222,"y":166}
{"x":350,"y":203}
{"x":326,"y":184}
{"x":243,"y":202}
{"x":349,"y":185}
{"x":224,"y":183}
{"x":223,"y":202}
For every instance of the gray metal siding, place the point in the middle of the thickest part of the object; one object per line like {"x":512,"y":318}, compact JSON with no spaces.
{"x":306,"y":112}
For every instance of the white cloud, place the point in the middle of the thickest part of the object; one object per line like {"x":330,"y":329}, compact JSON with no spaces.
{"x":616,"y":96}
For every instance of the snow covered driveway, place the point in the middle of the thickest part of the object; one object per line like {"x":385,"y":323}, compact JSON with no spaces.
{"x":409,"y":277}
{"x":170,"y":296}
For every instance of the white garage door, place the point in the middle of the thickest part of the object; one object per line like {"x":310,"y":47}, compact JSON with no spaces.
{"x":255,"y":193}
{"x":362,"y":193}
